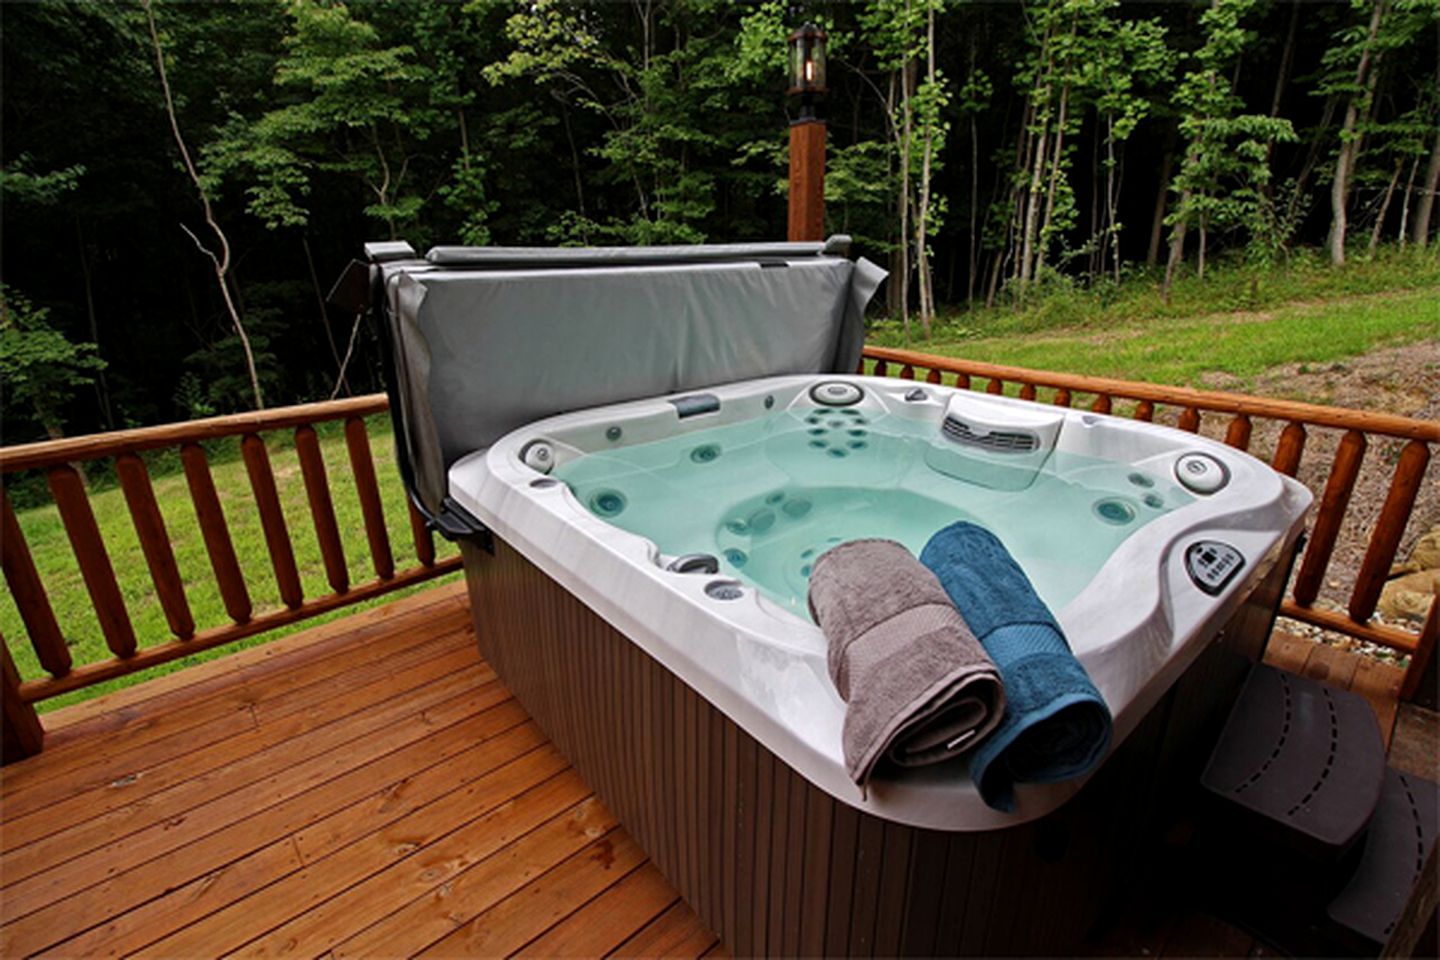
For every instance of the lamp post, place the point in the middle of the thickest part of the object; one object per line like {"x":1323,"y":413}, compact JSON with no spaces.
{"x":807,"y":135}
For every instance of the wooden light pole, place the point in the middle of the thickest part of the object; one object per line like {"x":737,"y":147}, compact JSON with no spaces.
{"x":807,"y":135}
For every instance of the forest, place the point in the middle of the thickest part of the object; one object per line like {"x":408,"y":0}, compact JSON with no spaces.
{"x":181,"y":182}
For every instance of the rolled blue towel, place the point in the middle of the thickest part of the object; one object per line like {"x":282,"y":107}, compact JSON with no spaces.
{"x":1056,"y":725}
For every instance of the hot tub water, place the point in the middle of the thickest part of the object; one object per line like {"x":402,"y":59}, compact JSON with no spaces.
{"x":767,"y":496}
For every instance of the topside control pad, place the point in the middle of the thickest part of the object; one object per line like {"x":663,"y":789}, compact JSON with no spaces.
{"x":1212,"y":565}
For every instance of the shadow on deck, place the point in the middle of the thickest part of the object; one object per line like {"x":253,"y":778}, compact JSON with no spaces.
{"x":368,"y":787}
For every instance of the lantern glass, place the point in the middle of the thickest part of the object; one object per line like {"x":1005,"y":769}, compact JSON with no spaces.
{"x":807,"y":60}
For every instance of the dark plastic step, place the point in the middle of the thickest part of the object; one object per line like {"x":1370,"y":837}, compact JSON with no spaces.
{"x":1402,"y":832}
{"x":1300,"y":763}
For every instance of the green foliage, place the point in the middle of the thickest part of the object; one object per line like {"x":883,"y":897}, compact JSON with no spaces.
{"x":1223,"y":179}
{"x":41,"y":370}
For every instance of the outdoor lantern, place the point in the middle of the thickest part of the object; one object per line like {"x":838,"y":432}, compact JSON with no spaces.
{"x":807,"y":60}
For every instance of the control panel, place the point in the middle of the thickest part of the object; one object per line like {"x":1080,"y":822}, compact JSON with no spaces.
{"x":1212,"y":565}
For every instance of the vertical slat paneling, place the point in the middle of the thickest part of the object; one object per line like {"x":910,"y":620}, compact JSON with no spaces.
{"x":1289,"y":448}
{"x":819,"y":816}
{"x":155,"y":542}
{"x":213,"y":528}
{"x":68,"y":489}
{"x":358,"y":443}
{"x":29,"y":594}
{"x":272,"y":520}
{"x":1331,"y":514}
{"x":1389,"y":528}
{"x":322,"y":508}
{"x":421,"y":535}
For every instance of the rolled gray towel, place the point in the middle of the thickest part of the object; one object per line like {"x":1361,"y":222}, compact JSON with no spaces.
{"x":918,"y":686}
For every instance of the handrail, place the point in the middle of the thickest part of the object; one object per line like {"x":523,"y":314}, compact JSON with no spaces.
{"x":130,"y":653}
{"x":1242,"y":410}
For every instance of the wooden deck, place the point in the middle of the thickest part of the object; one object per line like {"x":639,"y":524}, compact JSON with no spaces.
{"x":367,"y":787}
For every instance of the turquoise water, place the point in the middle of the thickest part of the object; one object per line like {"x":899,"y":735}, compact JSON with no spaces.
{"x":768,"y":496}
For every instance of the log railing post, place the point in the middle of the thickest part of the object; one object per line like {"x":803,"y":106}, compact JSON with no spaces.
{"x":155,"y":543}
{"x":30,"y":598}
{"x":322,"y":508}
{"x":218,"y":546}
{"x":68,"y":489}
{"x":272,"y":520}
{"x":20,"y":728}
{"x":1329,"y":516}
{"x":358,"y":443}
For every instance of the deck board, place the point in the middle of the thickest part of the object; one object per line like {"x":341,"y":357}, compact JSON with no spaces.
{"x":370,"y":786}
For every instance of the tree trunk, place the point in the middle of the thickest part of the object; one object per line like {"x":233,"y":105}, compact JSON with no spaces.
{"x":324,"y":317}
{"x":1385,"y":207}
{"x":1420,"y":232}
{"x":922,"y":205}
{"x":1054,"y":179}
{"x":102,"y":386}
{"x":1350,"y":143}
{"x":1162,"y":191}
{"x":221,"y":260}
{"x":1402,"y":234}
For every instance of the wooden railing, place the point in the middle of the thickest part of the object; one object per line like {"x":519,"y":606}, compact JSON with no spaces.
{"x":59,"y":461}
{"x":1241,"y":414}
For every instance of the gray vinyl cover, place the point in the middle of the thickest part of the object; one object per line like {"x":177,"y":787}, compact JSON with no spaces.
{"x":489,"y":339}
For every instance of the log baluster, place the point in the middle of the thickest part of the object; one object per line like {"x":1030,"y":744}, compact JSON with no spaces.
{"x":881,"y":368}
{"x":29,"y":593}
{"x":218,"y":547}
{"x":1027,"y":391}
{"x":363,"y":467}
{"x":1289,"y":448}
{"x":424,"y":539}
{"x":995,"y":386}
{"x":1101,"y":404}
{"x":1062,"y":397}
{"x":322,"y":508}
{"x":1389,"y":528}
{"x":155,"y":543}
{"x":907,"y":372}
{"x":68,"y":489}
{"x":1145,"y":410}
{"x":21,"y":734}
{"x":1329,"y":517}
{"x":1237,"y":434}
{"x":933,"y":376}
{"x":1422,"y":661}
{"x":272,"y":520}
{"x":962,"y":381}
{"x":1189,"y":420}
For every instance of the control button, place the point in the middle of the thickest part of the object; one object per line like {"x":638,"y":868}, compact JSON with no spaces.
{"x":836,"y":393}
{"x":1201,"y":473}
{"x":1212,"y":565}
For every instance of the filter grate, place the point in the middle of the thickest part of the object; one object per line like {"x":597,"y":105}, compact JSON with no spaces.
{"x":999,"y":441}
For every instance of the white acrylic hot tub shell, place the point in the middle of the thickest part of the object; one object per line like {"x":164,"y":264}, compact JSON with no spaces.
{"x":1136,"y":627}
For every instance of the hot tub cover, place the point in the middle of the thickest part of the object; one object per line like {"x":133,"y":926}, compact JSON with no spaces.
{"x":486,"y":339}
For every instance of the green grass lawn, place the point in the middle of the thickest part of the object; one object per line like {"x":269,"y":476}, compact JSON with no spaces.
{"x":55,"y":560}
{"x":1234,"y":323}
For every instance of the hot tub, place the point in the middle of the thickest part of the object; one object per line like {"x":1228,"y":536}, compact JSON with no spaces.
{"x":637,"y":577}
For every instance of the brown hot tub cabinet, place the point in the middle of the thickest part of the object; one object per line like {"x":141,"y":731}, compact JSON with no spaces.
{"x":777,"y":866}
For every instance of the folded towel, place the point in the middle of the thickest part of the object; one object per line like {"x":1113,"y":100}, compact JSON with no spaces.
{"x":918,"y":686}
{"x":1056,"y":724}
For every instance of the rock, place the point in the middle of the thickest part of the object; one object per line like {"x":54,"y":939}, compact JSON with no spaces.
{"x":1426,"y":554}
{"x":1409,"y":597}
